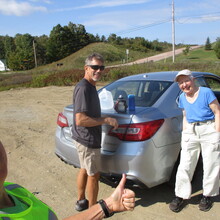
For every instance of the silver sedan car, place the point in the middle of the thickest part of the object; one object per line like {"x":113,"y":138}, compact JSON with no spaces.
{"x":146,"y":144}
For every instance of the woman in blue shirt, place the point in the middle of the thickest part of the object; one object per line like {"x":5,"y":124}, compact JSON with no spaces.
{"x":201,"y":133}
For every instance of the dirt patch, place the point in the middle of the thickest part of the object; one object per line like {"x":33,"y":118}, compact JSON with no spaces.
{"x":27,"y":128}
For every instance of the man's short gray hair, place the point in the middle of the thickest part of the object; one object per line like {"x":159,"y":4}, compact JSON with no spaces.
{"x":94,"y":56}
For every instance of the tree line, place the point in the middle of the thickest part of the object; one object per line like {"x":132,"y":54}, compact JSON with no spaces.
{"x":24,"y":51}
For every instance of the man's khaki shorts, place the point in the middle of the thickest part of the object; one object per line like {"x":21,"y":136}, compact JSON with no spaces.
{"x":89,"y":158}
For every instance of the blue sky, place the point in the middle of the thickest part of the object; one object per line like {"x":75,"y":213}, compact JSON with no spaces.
{"x":195,"y":20}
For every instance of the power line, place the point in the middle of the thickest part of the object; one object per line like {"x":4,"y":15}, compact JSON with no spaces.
{"x":177,"y":19}
{"x":203,"y":17}
{"x":143,"y":27}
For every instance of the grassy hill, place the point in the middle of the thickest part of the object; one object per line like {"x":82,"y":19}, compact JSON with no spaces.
{"x":198,"y":55}
{"x":112,"y":54}
{"x":69,"y":70}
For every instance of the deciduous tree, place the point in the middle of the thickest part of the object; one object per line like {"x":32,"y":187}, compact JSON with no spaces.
{"x":217,"y":47}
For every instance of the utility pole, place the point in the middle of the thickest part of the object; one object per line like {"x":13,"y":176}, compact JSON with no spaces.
{"x":35,"y":57}
{"x":173,"y":30}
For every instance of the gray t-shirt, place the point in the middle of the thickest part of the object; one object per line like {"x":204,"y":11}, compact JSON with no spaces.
{"x":86,"y":100}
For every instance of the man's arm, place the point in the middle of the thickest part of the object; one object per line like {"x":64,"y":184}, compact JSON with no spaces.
{"x":83,"y":120}
{"x":93,"y":213}
{"x":120,"y":200}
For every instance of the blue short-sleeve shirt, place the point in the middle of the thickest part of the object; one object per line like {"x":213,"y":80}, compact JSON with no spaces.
{"x":199,"y":110}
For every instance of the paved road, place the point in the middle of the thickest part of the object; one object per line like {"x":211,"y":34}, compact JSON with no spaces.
{"x":157,"y":57}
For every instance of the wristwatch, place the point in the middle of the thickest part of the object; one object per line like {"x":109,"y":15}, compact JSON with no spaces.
{"x":105,"y":208}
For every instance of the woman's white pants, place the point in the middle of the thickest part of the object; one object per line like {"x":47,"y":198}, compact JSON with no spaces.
{"x":195,"y":139}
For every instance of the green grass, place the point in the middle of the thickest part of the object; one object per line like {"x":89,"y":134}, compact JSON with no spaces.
{"x":198,"y":55}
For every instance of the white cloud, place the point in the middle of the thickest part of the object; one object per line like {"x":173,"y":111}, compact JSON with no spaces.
{"x":119,"y":21}
{"x":196,"y":11}
{"x":105,"y":4}
{"x":114,"y":3}
{"x":44,"y":1}
{"x":13,"y":7}
{"x":202,"y":19}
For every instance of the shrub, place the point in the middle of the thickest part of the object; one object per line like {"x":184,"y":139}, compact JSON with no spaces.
{"x":217,"y":48}
{"x":39,"y":80}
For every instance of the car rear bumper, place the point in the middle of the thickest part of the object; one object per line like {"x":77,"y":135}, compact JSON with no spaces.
{"x":65,"y":149}
{"x":150,"y":166}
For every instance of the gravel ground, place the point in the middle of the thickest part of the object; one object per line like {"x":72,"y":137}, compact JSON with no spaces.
{"x":27,"y":128}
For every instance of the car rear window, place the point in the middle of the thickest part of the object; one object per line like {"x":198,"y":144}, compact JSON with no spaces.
{"x":146,"y":92}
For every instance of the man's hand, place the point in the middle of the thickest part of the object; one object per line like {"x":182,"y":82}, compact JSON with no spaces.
{"x":111,"y":121}
{"x":121,"y":199}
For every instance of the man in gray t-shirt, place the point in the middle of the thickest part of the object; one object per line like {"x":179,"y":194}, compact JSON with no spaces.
{"x":86,"y":131}
{"x":86,"y":100}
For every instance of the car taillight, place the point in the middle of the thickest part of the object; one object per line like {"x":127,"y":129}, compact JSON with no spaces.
{"x":137,"y":132}
{"x":62,"y":120}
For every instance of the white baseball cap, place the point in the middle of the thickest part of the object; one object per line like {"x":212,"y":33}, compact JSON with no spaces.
{"x":185,"y":72}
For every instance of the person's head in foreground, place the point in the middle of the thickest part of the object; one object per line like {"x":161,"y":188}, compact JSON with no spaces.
{"x":5,"y":201}
{"x":16,"y":202}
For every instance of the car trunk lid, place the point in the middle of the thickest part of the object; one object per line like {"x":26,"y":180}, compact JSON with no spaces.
{"x":131,"y":128}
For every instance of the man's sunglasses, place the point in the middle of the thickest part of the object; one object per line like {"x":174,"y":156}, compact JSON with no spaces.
{"x":96,"y":67}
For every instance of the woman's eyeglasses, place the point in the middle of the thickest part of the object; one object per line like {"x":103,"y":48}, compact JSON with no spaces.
{"x":96,"y":67}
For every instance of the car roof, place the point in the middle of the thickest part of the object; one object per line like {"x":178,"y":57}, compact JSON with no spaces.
{"x":162,"y":76}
